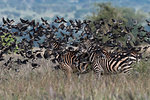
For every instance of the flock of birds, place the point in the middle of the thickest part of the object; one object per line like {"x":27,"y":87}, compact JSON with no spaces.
{"x":75,"y":45}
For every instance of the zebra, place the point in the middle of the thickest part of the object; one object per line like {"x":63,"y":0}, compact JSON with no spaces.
{"x":67,"y":64}
{"x":70,"y":63}
{"x":103,"y":63}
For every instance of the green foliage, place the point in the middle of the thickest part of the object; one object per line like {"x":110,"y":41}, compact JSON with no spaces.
{"x":127,"y":16}
{"x":108,"y":12}
{"x":7,"y":40}
{"x":142,"y":67}
{"x":105,"y":11}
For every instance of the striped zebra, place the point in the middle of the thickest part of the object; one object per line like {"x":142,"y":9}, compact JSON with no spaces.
{"x":103,"y":63}
{"x":67,"y":64}
{"x":70,"y":63}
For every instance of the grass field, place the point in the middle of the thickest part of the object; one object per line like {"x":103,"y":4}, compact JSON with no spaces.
{"x":44,"y":83}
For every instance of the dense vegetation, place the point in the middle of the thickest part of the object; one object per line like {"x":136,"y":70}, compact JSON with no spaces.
{"x":126,"y":17}
{"x":108,"y":12}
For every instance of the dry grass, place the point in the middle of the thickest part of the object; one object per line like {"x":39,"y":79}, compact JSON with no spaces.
{"x":44,"y":83}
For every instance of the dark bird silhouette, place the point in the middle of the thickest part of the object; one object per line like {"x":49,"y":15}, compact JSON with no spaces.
{"x":141,"y":29}
{"x":114,"y":21}
{"x":148,"y":22}
{"x":128,"y":44}
{"x":24,"y":21}
{"x":53,"y":61}
{"x":62,"y":26}
{"x":35,"y":65}
{"x":1,"y":58}
{"x":44,"y":21}
{"x":4,"y":21}
{"x":20,"y":62}
{"x":57,"y":67}
{"x":47,"y":54}
{"x":145,"y":48}
{"x":8,"y":61}
{"x":10,"y":21}
{"x":59,"y":20}
{"x":39,"y":55}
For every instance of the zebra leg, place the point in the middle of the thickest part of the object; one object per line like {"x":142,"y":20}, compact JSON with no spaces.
{"x":67,"y":70}
{"x":98,"y":69}
{"x":98,"y":75}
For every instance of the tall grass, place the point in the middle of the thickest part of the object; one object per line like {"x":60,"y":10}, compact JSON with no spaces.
{"x":44,"y":83}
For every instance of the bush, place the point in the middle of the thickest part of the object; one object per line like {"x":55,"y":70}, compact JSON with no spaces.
{"x":128,"y":16}
{"x":7,"y":40}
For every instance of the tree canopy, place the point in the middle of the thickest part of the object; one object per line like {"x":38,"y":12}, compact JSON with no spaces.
{"x":108,"y":11}
{"x":126,"y":18}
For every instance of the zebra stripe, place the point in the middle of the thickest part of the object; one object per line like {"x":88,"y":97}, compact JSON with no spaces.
{"x":70,"y":64}
{"x":121,"y":63}
{"x":67,"y":63}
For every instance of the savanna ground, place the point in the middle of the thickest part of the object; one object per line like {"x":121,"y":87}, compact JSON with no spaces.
{"x":45,"y":83}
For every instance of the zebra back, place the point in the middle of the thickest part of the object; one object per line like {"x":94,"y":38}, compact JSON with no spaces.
{"x":120,"y":63}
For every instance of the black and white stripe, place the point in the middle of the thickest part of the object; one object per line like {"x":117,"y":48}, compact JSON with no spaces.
{"x":69,"y":63}
{"x":105,"y":64}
